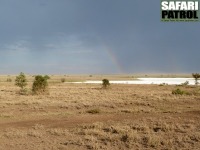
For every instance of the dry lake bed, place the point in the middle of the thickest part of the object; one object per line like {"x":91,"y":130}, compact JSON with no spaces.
{"x":169,"y":81}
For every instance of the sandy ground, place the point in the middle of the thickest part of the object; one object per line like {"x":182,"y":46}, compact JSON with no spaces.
{"x":86,"y":116}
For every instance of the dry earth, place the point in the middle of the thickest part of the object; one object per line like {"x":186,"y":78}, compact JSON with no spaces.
{"x":85,"y":116}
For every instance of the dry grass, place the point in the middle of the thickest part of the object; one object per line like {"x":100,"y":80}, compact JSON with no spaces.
{"x":84,"y":116}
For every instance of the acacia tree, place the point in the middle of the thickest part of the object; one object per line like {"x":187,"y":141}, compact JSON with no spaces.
{"x":105,"y":83}
{"x":196,"y":76}
{"x":21,"y":81}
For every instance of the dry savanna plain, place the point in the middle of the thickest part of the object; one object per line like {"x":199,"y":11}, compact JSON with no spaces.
{"x":86,"y":116}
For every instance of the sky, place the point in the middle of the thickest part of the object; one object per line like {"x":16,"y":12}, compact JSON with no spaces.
{"x":94,"y":37}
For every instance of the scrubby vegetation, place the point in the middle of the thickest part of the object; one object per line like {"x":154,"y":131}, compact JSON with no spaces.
{"x":62,"y":80}
{"x":83,"y":116}
{"x":179,"y":92}
{"x":185,"y":83}
{"x":40,"y":84}
{"x":21,"y":82}
{"x":196,"y":76}
{"x":163,"y":84}
{"x":105,"y":83}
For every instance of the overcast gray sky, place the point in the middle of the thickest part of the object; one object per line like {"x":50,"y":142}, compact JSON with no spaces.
{"x":94,"y":37}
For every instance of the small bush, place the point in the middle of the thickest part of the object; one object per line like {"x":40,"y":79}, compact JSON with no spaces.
{"x":185,"y":83}
{"x":21,"y":81}
{"x":40,"y":84}
{"x":105,"y":83}
{"x":178,"y":92}
{"x":62,"y":80}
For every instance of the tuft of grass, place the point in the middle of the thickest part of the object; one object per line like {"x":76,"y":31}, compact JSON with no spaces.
{"x":62,"y":80}
{"x":185,"y":83}
{"x":179,"y":92}
{"x":24,"y":91}
{"x":93,"y":111}
{"x":163,"y":84}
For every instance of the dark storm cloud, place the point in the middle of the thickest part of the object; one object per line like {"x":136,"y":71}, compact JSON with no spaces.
{"x":72,"y":36}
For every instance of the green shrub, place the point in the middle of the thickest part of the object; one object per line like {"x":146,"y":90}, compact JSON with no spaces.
{"x":62,"y":80}
{"x":40,"y":84}
{"x":105,"y":83}
{"x":178,"y":92}
{"x":21,"y":81}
